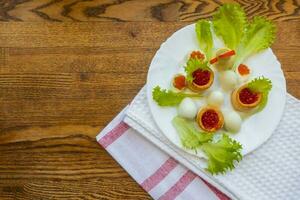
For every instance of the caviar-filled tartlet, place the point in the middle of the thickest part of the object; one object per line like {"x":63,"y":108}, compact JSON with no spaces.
{"x":251,"y":95}
{"x":243,"y":72}
{"x":244,"y":99}
{"x":210,"y":119}
{"x":179,"y":82}
{"x":203,"y":79}
{"x":199,"y":76}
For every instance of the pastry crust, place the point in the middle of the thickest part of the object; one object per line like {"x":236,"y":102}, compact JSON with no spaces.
{"x":220,"y":116}
{"x":240,"y":106}
{"x":200,"y":88}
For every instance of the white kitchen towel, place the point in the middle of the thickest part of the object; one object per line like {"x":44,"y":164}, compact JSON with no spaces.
{"x":270,"y":172}
{"x":157,"y":173}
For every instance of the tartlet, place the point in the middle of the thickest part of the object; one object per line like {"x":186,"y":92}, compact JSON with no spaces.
{"x":210,"y":119}
{"x":243,"y":99}
{"x":198,"y":85}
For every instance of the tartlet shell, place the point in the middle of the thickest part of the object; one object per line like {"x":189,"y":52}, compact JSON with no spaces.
{"x":200,"y":88}
{"x":219,"y":113}
{"x":240,"y":106}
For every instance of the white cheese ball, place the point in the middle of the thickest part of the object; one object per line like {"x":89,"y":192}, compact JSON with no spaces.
{"x":215,"y":98}
{"x":199,"y":103}
{"x":232,"y":121}
{"x":228,"y":80}
{"x":187,"y":108}
{"x":224,"y":63}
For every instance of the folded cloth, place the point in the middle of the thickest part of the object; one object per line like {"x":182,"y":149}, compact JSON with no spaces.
{"x":270,"y":172}
{"x":157,"y":173}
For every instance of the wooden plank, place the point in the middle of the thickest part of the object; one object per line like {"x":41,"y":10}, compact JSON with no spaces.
{"x":137,"y":10}
{"x":60,"y":162}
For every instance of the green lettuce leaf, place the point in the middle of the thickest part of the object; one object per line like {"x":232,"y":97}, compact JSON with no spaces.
{"x":261,"y":85}
{"x":222,"y":154}
{"x":190,"y":137}
{"x":229,"y":23}
{"x":165,"y":97}
{"x":259,"y":35}
{"x":192,"y":65}
{"x":204,"y":37}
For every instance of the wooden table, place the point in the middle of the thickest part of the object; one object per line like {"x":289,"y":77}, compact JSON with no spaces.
{"x":68,"y":67}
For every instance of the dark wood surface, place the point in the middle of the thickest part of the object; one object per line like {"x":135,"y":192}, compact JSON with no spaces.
{"x":68,"y":67}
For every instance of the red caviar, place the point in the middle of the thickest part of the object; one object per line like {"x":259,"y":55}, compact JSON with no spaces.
{"x":214,"y":60}
{"x":210,"y":119}
{"x":243,"y":69}
{"x":179,"y":82}
{"x":197,"y":54}
{"x":227,"y":54}
{"x":247,"y":96}
{"x":201,"y":77}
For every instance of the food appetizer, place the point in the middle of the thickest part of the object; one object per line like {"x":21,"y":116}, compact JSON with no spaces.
{"x":210,"y":119}
{"x":207,"y":127}
{"x":199,"y":75}
{"x":243,"y":72}
{"x":251,"y":95}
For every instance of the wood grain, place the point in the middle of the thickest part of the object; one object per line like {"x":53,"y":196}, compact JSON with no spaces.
{"x":61,"y":83}
{"x":137,"y":10}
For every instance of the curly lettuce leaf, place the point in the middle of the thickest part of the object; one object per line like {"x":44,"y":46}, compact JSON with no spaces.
{"x":204,"y":37}
{"x":192,"y":65}
{"x":259,"y":35}
{"x":190,"y":137}
{"x":229,"y":23}
{"x":261,"y":85}
{"x":165,"y":97}
{"x":222,"y":154}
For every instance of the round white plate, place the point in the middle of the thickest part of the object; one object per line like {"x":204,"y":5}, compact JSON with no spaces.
{"x":170,"y":59}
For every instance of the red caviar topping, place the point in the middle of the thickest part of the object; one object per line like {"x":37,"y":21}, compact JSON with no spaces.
{"x":214,"y":60}
{"x":247,"y":96}
{"x":197,"y":54}
{"x":227,"y":54}
{"x":201,"y":77}
{"x":179,"y":82}
{"x":243,"y":69}
{"x":210,"y":119}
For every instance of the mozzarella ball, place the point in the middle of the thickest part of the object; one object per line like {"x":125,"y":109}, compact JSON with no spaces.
{"x":199,"y":103}
{"x":224,"y":63}
{"x":232,"y":121}
{"x":215,"y":98}
{"x":187,"y":108}
{"x":228,"y":80}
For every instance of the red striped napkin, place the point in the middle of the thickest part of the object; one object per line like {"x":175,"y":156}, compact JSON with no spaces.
{"x":157,"y":173}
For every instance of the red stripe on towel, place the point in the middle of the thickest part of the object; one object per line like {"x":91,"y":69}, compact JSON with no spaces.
{"x":179,"y":186}
{"x":219,"y":194}
{"x":159,"y":174}
{"x":114,"y":134}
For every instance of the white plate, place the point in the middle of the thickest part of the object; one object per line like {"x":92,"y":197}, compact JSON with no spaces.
{"x":169,"y":60}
